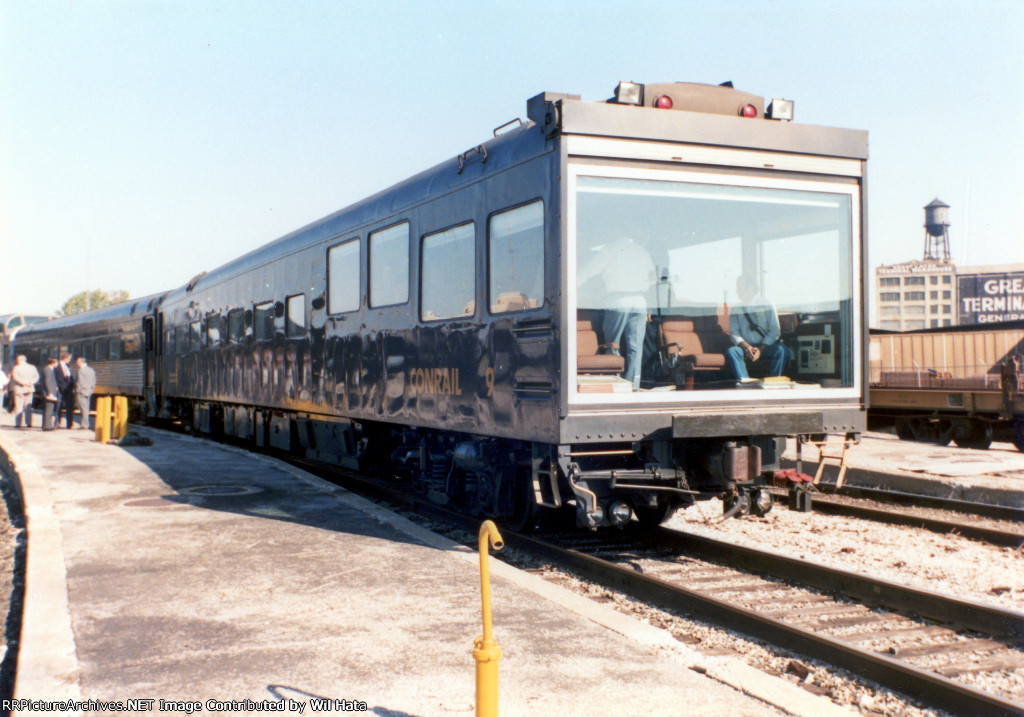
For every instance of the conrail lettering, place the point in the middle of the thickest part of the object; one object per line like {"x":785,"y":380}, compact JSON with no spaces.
{"x":437,"y":381}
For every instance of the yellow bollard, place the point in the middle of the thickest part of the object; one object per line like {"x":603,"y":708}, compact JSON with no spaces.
{"x":120,"y":417}
{"x":485,"y":650}
{"x":103,"y":419}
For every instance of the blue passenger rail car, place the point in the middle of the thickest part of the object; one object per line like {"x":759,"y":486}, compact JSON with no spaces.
{"x":110,"y":339}
{"x":544,"y":320}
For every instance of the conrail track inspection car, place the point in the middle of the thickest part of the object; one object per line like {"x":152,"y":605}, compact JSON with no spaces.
{"x":550,"y":318}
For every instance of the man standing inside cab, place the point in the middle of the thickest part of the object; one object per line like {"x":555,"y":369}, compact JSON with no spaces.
{"x":626,"y":269}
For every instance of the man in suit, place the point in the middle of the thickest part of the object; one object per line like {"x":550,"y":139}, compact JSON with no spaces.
{"x":52,"y":394}
{"x":84,"y":386}
{"x":24,"y":378}
{"x":65,"y":386}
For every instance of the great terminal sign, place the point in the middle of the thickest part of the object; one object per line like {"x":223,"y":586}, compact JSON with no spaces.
{"x":990,"y":298}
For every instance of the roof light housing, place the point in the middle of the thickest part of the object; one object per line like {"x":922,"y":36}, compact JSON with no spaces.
{"x":629,"y":93}
{"x":779,"y":109}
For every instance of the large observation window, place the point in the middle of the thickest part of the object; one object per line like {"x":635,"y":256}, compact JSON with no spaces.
{"x":703,"y":285}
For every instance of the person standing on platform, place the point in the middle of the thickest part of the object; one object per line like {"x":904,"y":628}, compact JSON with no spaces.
{"x":52,"y":394}
{"x":3,"y":388}
{"x":65,"y":386}
{"x":84,"y":386}
{"x":24,"y":378}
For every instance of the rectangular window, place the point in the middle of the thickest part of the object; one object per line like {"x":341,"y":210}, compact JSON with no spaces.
{"x":236,"y":326}
{"x":389,"y":265}
{"x":913,"y":325}
{"x":263,"y":321}
{"x":295,"y":313}
{"x":515,"y":255}
{"x":947,"y":322}
{"x":101,"y":350}
{"x":947,"y":295}
{"x":933,"y":295}
{"x":914,"y":310}
{"x":934,"y":323}
{"x":945,"y":308}
{"x":933,"y":309}
{"x":343,"y":277}
{"x":913,"y":296}
{"x":889,"y":281}
{"x":195,"y":335}
{"x":115,"y":349}
{"x":890,"y":296}
{"x":913,"y":281}
{"x":933,"y":279}
{"x":214,"y":329}
{"x":696,"y":260}
{"x":448,"y":282}
{"x":130,"y":348}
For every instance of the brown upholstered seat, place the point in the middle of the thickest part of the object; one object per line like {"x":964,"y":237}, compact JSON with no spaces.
{"x":588,"y":360}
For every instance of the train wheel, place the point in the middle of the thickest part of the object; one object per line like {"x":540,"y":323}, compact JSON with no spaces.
{"x":651,"y":518}
{"x":976,"y":434}
{"x":516,"y":503}
{"x":1018,"y":432}
{"x":904,"y":429}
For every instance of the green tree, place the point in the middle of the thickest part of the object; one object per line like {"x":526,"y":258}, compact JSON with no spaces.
{"x":86,"y":300}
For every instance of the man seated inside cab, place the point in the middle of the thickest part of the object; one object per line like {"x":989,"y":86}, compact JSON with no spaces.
{"x":755,"y":333}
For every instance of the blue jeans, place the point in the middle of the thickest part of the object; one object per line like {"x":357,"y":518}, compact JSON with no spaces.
{"x":625,"y":323}
{"x":776,"y":355}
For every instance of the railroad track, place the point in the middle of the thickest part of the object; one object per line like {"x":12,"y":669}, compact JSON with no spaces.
{"x":873,"y":628}
{"x":1011,"y":536}
{"x":911,"y":641}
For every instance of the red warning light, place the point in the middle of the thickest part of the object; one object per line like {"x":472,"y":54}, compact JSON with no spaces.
{"x":748,"y":111}
{"x":663,"y":103}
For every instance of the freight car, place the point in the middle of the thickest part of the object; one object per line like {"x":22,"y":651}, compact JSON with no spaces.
{"x":961,"y":384}
{"x":109,"y":338}
{"x":464,"y":330}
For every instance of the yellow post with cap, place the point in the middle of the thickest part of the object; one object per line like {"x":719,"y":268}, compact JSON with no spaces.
{"x":103,"y":419}
{"x":485,"y":650}
{"x":120,"y":417}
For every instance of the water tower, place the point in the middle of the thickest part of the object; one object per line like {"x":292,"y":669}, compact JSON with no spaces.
{"x":936,"y":231}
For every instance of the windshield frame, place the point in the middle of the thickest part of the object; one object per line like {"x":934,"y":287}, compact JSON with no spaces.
{"x":844,"y":184}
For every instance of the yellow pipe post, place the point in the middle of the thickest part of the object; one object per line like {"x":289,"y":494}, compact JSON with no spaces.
{"x":120,"y":417}
{"x":485,"y":650}
{"x":103,"y":419}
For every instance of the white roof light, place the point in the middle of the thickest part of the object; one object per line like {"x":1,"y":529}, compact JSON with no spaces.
{"x":781,"y":110}
{"x":628,"y":93}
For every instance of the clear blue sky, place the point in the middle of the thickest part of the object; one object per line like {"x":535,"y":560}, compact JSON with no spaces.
{"x":143,"y":142}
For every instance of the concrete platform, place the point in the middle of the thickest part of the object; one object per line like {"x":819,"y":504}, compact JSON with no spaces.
{"x":191,"y":571}
{"x":882,"y":460}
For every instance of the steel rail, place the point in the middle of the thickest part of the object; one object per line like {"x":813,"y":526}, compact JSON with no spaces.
{"x":980,"y":533}
{"x":986,"y":510}
{"x":965,"y":614}
{"x":928,"y":687}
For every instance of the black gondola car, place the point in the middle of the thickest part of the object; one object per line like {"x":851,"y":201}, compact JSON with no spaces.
{"x":453,"y":330}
